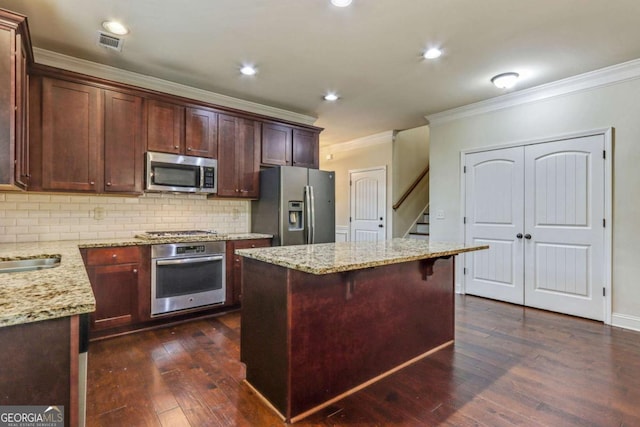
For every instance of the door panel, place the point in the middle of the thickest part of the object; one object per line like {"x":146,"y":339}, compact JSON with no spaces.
{"x":368,"y":204}
{"x":551,"y":194}
{"x":564,"y":268}
{"x":324,"y":190}
{"x":494,"y":216}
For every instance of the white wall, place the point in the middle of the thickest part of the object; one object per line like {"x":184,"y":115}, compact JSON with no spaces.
{"x":614,"y":105}
{"x":33,"y":217}
{"x":363,"y":153}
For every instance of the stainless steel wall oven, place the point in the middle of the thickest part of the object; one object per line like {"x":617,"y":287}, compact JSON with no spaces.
{"x":187,"y":275}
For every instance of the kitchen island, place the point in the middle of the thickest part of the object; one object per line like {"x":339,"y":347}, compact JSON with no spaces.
{"x":320,"y":322}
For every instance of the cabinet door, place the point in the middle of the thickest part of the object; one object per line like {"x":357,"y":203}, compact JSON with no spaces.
{"x":72,"y":137}
{"x":276,"y":145}
{"x":123,"y":149}
{"x":201,"y":133}
{"x":305,"y":149}
{"x":22,"y":105}
{"x":248,"y":146}
{"x":164,"y":127}
{"x":227,"y":158}
{"x":234,"y":266}
{"x":116,"y":291}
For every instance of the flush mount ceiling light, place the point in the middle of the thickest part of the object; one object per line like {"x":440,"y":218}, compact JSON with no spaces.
{"x":115,"y":27}
{"x":341,"y":3}
{"x":331,"y":97}
{"x":505,"y":80}
{"x":248,"y":70}
{"x":432,"y":53}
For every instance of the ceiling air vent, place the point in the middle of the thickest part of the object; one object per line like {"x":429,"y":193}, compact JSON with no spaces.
{"x":112,"y":42}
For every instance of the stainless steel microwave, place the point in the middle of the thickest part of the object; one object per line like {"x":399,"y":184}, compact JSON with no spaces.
{"x":176,"y":173}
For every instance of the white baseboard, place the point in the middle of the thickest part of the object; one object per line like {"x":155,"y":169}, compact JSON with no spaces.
{"x":625,"y":321}
{"x":458,"y":288}
{"x":342,"y":233}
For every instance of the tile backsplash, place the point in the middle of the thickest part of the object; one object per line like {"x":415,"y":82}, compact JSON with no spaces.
{"x":33,"y":217}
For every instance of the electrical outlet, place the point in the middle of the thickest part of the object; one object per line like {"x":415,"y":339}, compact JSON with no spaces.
{"x":440,"y":214}
{"x":98,"y":213}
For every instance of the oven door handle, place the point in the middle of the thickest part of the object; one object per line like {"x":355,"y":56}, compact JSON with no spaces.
{"x":190,"y":260}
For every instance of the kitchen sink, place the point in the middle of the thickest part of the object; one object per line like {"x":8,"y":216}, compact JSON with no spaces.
{"x":31,"y":264}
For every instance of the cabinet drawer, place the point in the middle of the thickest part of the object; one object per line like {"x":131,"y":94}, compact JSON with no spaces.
{"x":116,"y":255}
{"x":255,"y":243}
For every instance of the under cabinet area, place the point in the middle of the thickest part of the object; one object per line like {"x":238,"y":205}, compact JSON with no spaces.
{"x":234,"y":266}
{"x":118,"y":275}
{"x":287,"y":146}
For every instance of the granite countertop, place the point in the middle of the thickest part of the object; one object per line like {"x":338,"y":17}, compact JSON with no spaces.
{"x":64,"y":290}
{"x":328,"y":258}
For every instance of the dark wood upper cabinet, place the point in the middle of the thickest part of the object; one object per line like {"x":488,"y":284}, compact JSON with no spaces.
{"x":123,"y":147}
{"x":172,"y":128}
{"x":238,"y":157}
{"x":201,"y":133}
{"x":15,"y":55}
{"x":72,"y":136}
{"x":276,"y":144}
{"x":305,"y":149}
{"x":164,"y":127}
{"x":287,"y":146}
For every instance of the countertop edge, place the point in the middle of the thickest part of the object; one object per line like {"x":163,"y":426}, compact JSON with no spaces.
{"x":255,"y":254}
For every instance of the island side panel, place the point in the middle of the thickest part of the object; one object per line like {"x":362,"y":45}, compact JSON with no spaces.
{"x":263,"y":338}
{"x":343,"y":335}
{"x":36,"y":364}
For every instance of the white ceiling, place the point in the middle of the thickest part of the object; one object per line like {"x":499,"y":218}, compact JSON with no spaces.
{"x":369,"y":53}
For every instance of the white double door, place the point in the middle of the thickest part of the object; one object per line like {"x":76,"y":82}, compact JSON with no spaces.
{"x":540,"y":208}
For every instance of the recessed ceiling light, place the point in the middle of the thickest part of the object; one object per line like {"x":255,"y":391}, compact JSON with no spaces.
{"x":115,"y":27}
{"x":248,"y":70}
{"x":505,"y":80}
{"x":433,"y":53}
{"x":341,"y":3}
{"x":331,"y":97}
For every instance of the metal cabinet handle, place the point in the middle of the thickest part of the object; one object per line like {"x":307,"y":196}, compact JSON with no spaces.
{"x":519,"y":235}
{"x":135,"y":271}
{"x":176,"y":147}
{"x":188,"y":148}
{"x":108,"y":184}
{"x":527,"y":236}
{"x":92,"y":182}
{"x":114,"y":256}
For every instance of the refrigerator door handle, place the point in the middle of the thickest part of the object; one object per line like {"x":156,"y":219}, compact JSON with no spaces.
{"x":313,"y":215}
{"x":307,"y":204}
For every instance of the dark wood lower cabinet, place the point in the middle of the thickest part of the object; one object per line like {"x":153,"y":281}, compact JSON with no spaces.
{"x":39,"y":365}
{"x":234,"y":266}
{"x":116,"y":274}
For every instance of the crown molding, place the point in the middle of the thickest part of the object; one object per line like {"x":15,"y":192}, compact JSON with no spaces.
{"x":603,"y":77}
{"x":94,"y":69}
{"x":364,"y":142}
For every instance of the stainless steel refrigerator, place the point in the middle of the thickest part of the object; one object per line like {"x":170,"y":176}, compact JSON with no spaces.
{"x":296,"y":205}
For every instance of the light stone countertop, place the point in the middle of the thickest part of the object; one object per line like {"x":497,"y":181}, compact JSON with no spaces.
{"x":328,"y":258}
{"x":64,"y":290}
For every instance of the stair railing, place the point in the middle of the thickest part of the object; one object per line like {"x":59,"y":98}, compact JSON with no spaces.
{"x":411,"y":188}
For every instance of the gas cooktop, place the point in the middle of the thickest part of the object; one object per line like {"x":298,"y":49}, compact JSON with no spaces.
{"x":150,"y":235}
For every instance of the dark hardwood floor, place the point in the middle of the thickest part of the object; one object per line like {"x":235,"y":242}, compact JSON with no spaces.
{"x":509,"y":366}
